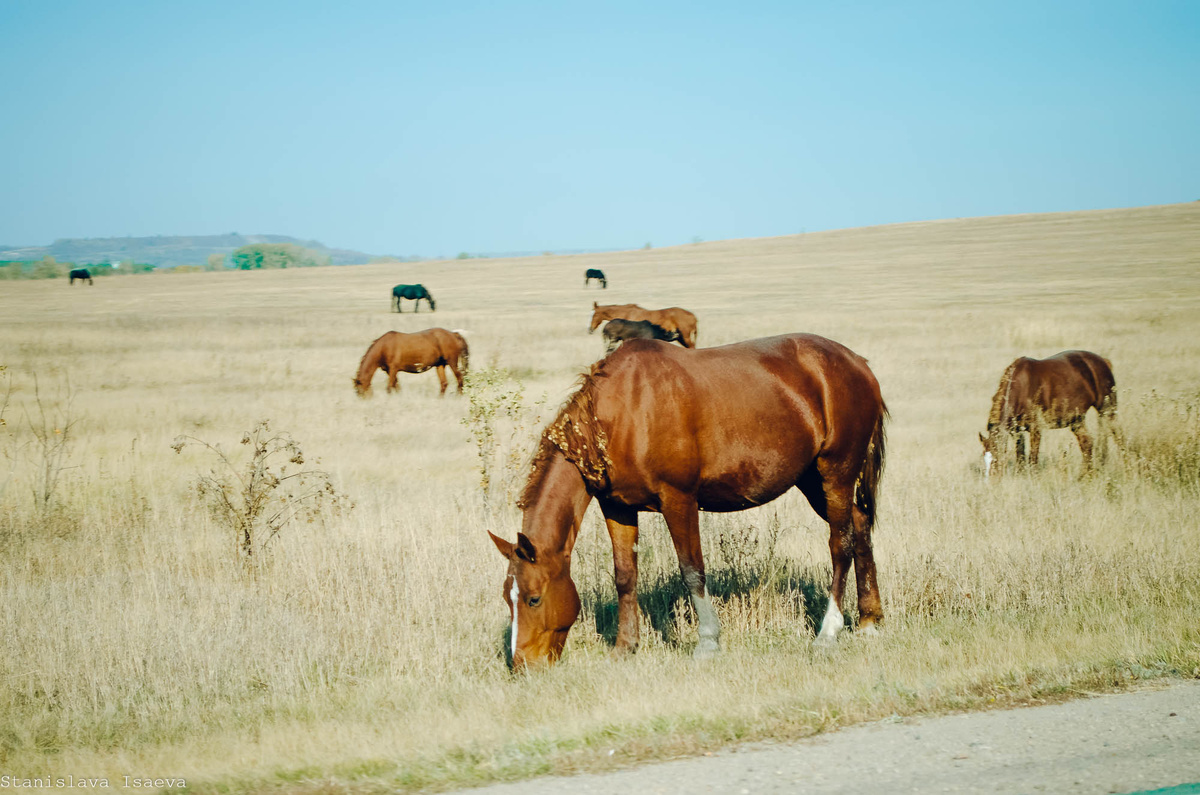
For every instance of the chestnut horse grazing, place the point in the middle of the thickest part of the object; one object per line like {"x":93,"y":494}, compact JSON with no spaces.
{"x":397,"y":353}
{"x":1057,"y":392}
{"x":671,"y":319}
{"x":658,"y":428}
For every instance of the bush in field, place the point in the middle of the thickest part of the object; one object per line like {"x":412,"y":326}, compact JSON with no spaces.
{"x":497,"y":421}
{"x":49,"y":268}
{"x":262,"y":256}
{"x":271,"y":489}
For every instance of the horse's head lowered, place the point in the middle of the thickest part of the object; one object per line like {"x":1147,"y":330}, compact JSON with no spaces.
{"x":432,"y":303}
{"x":542,"y":600}
{"x":991,"y":451}
{"x":363,"y":390}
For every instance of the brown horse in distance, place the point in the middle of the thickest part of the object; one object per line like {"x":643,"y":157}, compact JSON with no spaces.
{"x":671,"y":319}
{"x":659,"y":428}
{"x":396,"y":353}
{"x":1056,"y":392}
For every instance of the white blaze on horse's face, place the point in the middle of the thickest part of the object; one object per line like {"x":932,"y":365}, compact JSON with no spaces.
{"x":987,"y":463}
{"x":514,"y":594}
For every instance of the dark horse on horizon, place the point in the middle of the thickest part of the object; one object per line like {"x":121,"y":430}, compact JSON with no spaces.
{"x":396,"y":353}
{"x":659,"y":428}
{"x":617,"y":331}
{"x":672,"y":319}
{"x":81,"y":274}
{"x":1056,"y":392}
{"x":597,"y":274}
{"x":413,"y":292}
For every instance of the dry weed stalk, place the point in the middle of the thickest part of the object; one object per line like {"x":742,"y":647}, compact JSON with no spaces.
{"x":52,"y":426}
{"x":259,"y":498}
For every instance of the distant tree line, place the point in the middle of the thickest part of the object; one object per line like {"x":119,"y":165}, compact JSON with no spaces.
{"x":257,"y":256}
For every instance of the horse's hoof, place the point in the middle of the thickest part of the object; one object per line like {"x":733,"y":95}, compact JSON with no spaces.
{"x":706,"y":649}
{"x":868,"y":631}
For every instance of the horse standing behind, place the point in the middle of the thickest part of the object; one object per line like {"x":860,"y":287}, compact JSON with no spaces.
{"x":659,"y":428}
{"x":598,"y":275}
{"x":617,"y":331}
{"x":81,"y":274}
{"x":414,"y":293}
{"x":1056,"y":392}
{"x":671,"y":319}
{"x":396,"y":352}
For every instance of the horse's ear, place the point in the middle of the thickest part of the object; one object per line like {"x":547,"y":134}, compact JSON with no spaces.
{"x":506,"y":547}
{"x":595,"y":305}
{"x":525,"y":549}
{"x":983,"y":440}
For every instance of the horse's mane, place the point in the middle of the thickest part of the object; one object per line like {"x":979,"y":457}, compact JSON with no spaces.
{"x":1001,"y":395}
{"x":577,"y":435}
{"x":365,"y":363}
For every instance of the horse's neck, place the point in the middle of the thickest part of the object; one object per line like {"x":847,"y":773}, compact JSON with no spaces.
{"x":367,"y":367}
{"x":552,"y":519}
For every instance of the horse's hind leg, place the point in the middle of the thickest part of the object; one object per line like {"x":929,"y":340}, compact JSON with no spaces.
{"x":834,"y":506}
{"x":1022,"y":459}
{"x":1085,"y":443}
{"x":458,"y":376}
{"x":441,"y":374}
{"x":870,"y":608}
{"x":1109,"y":427}
{"x":683,"y":520}
{"x":1035,"y":444}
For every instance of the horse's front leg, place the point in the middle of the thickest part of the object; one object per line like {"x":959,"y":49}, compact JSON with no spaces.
{"x":683,"y":520}
{"x":393,"y":384}
{"x":1022,"y":460}
{"x":623,"y":530}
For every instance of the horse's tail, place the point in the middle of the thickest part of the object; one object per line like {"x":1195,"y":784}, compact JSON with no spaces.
{"x":465,"y":356}
{"x":872,"y":466}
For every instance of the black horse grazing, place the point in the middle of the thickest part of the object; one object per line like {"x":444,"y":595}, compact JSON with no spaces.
{"x":618,"y":330}
{"x":413,"y":292}
{"x":598,"y":275}
{"x":81,"y":274}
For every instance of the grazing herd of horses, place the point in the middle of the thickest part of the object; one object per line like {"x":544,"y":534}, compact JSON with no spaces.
{"x":678,"y":430}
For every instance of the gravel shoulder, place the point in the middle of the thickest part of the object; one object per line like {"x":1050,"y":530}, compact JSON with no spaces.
{"x":1126,"y":742}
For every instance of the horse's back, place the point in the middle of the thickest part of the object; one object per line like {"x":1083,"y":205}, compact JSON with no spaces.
{"x":1064,"y":386}
{"x":736,"y":424}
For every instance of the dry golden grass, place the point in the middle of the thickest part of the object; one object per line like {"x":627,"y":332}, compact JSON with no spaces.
{"x":365,"y":651}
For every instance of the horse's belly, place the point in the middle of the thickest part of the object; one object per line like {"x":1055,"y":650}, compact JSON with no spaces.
{"x":743,"y":487}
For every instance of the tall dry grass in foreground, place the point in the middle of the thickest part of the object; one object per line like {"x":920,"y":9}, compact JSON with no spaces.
{"x":365,"y":649}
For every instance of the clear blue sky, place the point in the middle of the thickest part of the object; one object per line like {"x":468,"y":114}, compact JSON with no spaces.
{"x":433,"y":128}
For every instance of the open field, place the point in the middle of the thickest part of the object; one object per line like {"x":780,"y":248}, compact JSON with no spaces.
{"x":364,"y":651}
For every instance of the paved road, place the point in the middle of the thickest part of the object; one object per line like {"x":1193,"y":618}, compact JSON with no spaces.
{"x":1127,"y":742}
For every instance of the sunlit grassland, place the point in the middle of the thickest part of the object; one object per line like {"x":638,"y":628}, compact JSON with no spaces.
{"x":367,"y":649}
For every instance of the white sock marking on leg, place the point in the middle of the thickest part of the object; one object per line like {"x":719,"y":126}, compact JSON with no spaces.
{"x":833,"y":622}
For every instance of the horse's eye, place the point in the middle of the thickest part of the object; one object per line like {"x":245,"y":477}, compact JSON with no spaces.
{"x":534,"y":601}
